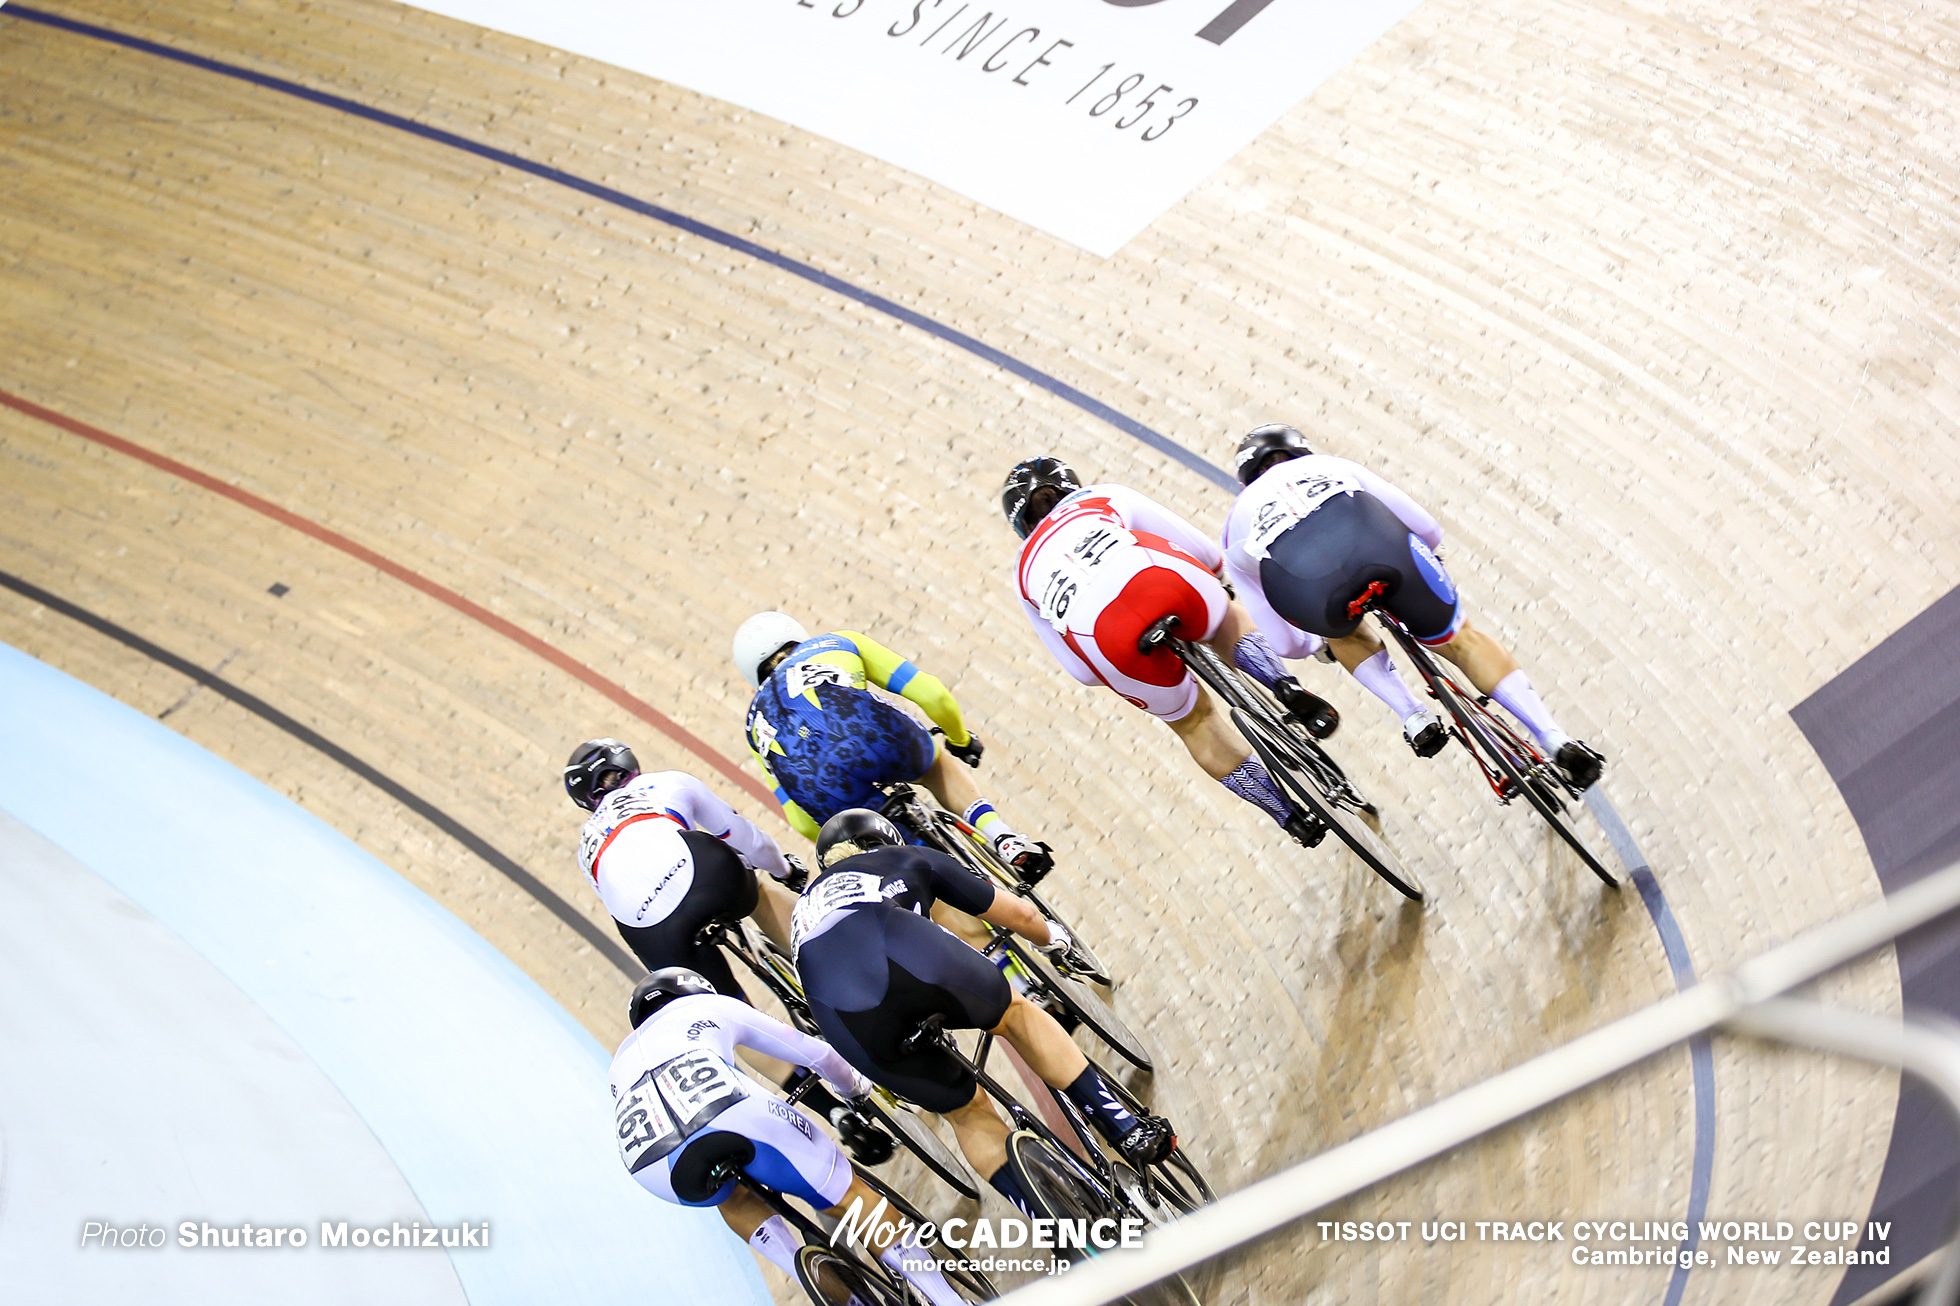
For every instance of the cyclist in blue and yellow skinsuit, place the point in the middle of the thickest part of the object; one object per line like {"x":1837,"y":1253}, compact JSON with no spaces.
{"x":826,"y":742}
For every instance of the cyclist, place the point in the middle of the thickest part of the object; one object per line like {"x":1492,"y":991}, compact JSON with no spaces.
{"x":874,"y":966}
{"x":668,"y":856}
{"x":1312,"y":535}
{"x":1100,"y":564}
{"x":826,"y":742}
{"x":682,"y":1110}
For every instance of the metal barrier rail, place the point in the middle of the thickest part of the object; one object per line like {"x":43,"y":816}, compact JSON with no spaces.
{"x":1739,"y":1003}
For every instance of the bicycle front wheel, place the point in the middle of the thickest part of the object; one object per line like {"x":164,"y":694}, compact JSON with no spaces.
{"x":1313,"y":780}
{"x":1079,"y":1001}
{"x":965,"y":843}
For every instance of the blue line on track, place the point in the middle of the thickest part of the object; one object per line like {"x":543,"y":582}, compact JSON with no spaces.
{"x":693,"y":226}
{"x":1701,"y":1058}
{"x":1701,"y":1055}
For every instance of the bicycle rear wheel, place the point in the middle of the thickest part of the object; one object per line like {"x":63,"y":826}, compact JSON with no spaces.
{"x":833,"y":1279}
{"x":1082,"y":1003}
{"x":1058,"y":1190}
{"x":1313,"y":780}
{"x":910,"y":1128}
{"x":1528,"y":773}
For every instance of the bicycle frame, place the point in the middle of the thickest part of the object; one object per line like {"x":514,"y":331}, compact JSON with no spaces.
{"x":1461,"y":703}
{"x":1097,"y":1170}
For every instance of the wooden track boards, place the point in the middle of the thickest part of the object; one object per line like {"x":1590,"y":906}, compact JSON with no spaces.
{"x":1654,"y":311}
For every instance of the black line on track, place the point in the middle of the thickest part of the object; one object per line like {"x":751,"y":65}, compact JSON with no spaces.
{"x":422,"y":807}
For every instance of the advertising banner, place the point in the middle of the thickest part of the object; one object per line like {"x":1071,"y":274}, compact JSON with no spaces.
{"x":1084,"y":118}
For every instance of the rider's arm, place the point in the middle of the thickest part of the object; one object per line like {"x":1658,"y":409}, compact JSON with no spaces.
{"x":765,"y":1034}
{"x":704,"y":810}
{"x":1411,"y":513}
{"x":799,"y":820}
{"x":1052,"y":640}
{"x":1142,"y":513}
{"x":889,"y":671}
{"x":953,"y":884}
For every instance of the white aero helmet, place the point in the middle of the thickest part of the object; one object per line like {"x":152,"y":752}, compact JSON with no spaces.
{"x":760,"y":636}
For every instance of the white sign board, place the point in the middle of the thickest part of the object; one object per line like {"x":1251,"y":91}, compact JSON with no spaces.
{"x":1085,"y":118}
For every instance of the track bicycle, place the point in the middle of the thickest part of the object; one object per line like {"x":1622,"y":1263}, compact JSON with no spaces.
{"x":1511,"y":761}
{"x":940,"y":829}
{"x":741,"y":939}
{"x":846,"y":1274}
{"x":1082,"y":1180}
{"x":1305,"y":771}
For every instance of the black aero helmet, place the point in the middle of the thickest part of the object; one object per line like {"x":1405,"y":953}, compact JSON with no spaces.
{"x":857,"y":828}
{"x":589,"y":764}
{"x":661,"y":987}
{"x":1027,"y":477}
{"x":1261,"y":446}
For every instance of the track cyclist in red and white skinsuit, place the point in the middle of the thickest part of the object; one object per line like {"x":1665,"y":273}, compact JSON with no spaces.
{"x":1100,"y":565}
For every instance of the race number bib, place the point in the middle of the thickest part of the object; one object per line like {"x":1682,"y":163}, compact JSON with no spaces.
{"x":1070,"y":558}
{"x":646,"y":1132}
{"x":1291,"y":503}
{"x":698,"y":1087}
{"x":828,"y":896}
{"x":805,"y":676}
{"x":670,"y":1103}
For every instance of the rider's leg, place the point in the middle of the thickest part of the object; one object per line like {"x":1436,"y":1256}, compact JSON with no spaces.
{"x":1368,"y":662}
{"x":1216,"y":745}
{"x":772,"y":909}
{"x":765,"y":1231}
{"x":1494,"y":671}
{"x":1239,"y":641}
{"x":982,"y":1136}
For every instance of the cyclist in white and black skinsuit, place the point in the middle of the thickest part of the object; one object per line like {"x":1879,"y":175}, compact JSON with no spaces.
{"x":681,"y":1109}
{"x":874,"y":966}
{"x":668,"y":856}
{"x":1309,"y":534}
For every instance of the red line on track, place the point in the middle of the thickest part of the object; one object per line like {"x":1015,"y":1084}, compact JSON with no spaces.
{"x":524,"y":639}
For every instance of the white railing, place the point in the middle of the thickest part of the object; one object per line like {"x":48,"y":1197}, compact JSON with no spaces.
{"x":1748,"y":1002}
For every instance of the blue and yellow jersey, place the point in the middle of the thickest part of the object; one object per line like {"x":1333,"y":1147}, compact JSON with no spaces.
{"x":826,"y":742}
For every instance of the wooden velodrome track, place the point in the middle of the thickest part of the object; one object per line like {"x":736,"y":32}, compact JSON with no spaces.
{"x":1655,"y":310}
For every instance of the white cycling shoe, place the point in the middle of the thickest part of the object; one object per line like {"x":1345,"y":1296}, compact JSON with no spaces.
{"x":1426,"y":733}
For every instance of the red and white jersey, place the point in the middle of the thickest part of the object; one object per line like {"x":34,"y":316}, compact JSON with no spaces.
{"x":621,"y":849}
{"x":1099,"y":558}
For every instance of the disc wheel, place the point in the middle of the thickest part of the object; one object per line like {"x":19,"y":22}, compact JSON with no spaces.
{"x":1313,"y":780}
{"x":1083,"y":1004}
{"x":911,"y":1128}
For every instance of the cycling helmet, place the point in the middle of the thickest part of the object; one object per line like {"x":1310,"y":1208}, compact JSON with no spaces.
{"x":591,"y":761}
{"x":858,"y":828}
{"x":1025,"y":479}
{"x":1261,"y":446}
{"x":661,"y":987}
{"x":761,"y":637}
